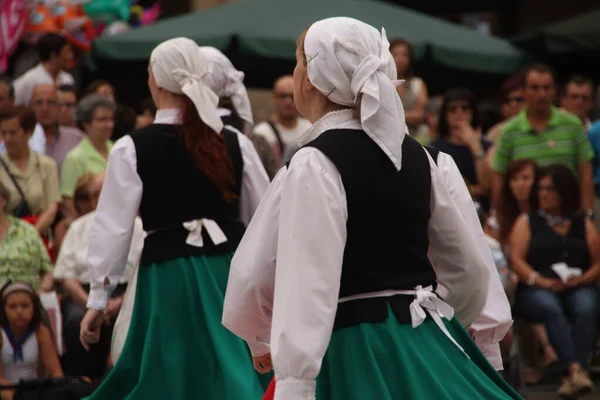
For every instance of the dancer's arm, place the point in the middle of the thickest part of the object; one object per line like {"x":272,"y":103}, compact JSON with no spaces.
{"x":495,"y":319}
{"x":312,"y":237}
{"x":249,"y":297}
{"x":110,"y":237}
{"x":458,"y":263}
{"x":254,"y":179}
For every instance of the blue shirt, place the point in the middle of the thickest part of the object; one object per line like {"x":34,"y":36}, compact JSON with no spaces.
{"x":594,"y":137}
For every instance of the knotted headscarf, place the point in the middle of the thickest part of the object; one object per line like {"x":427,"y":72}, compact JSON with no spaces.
{"x":178,"y":67}
{"x":349,"y":62}
{"x":226,"y":81}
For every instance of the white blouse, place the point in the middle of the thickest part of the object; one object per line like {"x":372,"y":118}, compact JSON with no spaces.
{"x":120,"y":200}
{"x":299,"y":229}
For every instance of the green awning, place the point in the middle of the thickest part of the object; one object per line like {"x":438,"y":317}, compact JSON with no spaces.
{"x":269,"y":29}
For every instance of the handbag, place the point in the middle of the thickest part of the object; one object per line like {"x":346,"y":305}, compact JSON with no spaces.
{"x":22,"y":209}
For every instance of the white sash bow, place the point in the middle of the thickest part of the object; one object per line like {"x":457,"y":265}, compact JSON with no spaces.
{"x":195,"y":228}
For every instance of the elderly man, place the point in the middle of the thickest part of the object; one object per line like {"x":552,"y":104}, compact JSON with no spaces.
{"x":53,"y":139}
{"x":72,"y":270}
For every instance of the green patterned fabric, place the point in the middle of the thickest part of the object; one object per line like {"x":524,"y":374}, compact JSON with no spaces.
{"x":23,"y":257}
{"x":391,"y":361}
{"x":176,"y":347}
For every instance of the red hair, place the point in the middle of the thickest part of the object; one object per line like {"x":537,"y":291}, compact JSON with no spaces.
{"x":208,"y":149}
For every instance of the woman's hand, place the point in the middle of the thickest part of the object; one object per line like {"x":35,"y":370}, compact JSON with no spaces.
{"x":263,"y":364}
{"x":574,"y":281}
{"x":554,"y":285}
{"x":470,"y":137}
{"x":90,"y":328}
{"x":112,"y":309}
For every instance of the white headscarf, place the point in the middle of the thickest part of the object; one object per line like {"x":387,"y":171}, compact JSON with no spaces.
{"x":226,"y":81}
{"x":178,"y":67}
{"x":349,"y":61}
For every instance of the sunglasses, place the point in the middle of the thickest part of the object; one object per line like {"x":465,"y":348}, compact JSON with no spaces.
{"x":456,"y":107}
{"x":514,"y":99}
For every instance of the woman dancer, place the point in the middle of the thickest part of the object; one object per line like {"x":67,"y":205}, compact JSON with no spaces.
{"x":356,"y":208}
{"x":191,"y":181}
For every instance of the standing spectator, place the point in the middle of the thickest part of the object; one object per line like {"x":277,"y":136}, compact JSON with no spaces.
{"x":125,"y":117}
{"x":31,"y":178}
{"x":67,"y":98}
{"x":460,"y":136}
{"x":545,"y":134}
{"x":413,"y":91}
{"x":56,"y":56}
{"x":58,"y":140}
{"x":96,"y":115}
{"x":578,"y":98}
{"x":7,"y":93}
{"x":286,"y":126}
{"x":23,"y":257}
{"x":559,"y":235}
{"x":513,"y":101}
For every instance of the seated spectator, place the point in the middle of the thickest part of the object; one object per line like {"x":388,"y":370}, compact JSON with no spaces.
{"x":67,"y":99}
{"x":23,"y":257}
{"x":26,"y":340}
{"x":96,"y":115}
{"x":31,"y":178}
{"x":559,"y":235}
{"x":460,"y":136}
{"x":125,"y":118}
{"x":73,"y":272}
{"x":146,"y":114}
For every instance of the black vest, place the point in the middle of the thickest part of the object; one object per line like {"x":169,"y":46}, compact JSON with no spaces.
{"x":388,"y":222}
{"x":175,"y":191}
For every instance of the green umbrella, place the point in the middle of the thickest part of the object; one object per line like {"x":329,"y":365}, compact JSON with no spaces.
{"x":269,"y":29}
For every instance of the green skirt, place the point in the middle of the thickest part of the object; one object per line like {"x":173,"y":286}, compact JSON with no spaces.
{"x":394,"y":361}
{"x":176,"y":347}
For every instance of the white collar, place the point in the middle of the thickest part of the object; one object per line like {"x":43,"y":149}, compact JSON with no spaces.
{"x":332,"y":120}
{"x":170,"y":116}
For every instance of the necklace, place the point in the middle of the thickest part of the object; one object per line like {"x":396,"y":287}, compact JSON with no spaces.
{"x":553,"y":220}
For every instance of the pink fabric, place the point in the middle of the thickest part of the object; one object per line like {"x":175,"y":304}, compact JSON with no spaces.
{"x":12,"y":24}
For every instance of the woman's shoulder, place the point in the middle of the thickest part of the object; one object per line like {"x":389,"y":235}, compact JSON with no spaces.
{"x":23,"y":228}
{"x":46,"y":162}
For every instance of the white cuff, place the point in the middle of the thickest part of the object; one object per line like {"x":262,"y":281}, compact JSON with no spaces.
{"x":492,"y":352}
{"x":98,"y":298}
{"x":295,"y":389}
{"x":259,"y":349}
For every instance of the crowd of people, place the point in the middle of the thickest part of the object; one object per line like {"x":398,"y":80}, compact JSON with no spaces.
{"x":529,"y":160}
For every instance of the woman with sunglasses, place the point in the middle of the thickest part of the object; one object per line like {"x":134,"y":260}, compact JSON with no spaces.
{"x":459,"y":135}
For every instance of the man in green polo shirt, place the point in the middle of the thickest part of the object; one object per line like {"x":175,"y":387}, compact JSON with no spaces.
{"x":545,"y":134}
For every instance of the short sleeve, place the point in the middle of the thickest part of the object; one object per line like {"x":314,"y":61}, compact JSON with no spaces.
{"x":72,"y":169}
{"x":584,"y":149}
{"x":503,"y":155}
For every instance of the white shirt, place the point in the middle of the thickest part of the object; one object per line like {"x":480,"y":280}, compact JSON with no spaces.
{"x":299,"y":230}
{"x":119,"y":203}
{"x":496,"y":318}
{"x":288,"y":136}
{"x":37,"y":75}
{"x":72,"y":259}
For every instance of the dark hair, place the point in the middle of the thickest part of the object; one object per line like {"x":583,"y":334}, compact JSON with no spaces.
{"x":93,"y":87}
{"x":508,"y":209}
{"x":515,"y":82}
{"x":208,"y":149}
{"x":50,"y":44}
{"x":25,"y":115}
{"x":38,"y":312}
{"x":578,"y":80}
{"x":148,"y":105}
{"x":538,"y":67}
{"x":8,"y":82}
{"x":566,"y":186}
{"x":67,"y":88}
{"x":460,"y":94}
{"x":403,"y":42}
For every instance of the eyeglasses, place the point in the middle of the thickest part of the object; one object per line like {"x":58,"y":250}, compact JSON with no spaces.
{"x":68,"y":104}
{"x":583,"y":97}
{"x":285,"y":96}
{"x":513,"y":99}
{"x":456,"y":107}
{"x":40,"y":102}
{"x":546,"y":188}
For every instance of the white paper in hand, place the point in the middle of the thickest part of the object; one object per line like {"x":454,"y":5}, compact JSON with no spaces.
{"x":562,"y":270}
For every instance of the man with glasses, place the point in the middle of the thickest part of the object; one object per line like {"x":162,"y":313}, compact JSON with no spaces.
{"x":50,"y":137}
{"x":286,"y":126}
{"x":578,"y":99}
{"x":67,"y":98}
{"x":545,"y":134}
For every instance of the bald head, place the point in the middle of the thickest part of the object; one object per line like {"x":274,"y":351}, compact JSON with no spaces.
{"x":44,"y":101}
{"x":283,"y":98}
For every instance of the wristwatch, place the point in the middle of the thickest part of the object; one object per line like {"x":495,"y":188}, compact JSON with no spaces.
{"x":532,"y":278}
